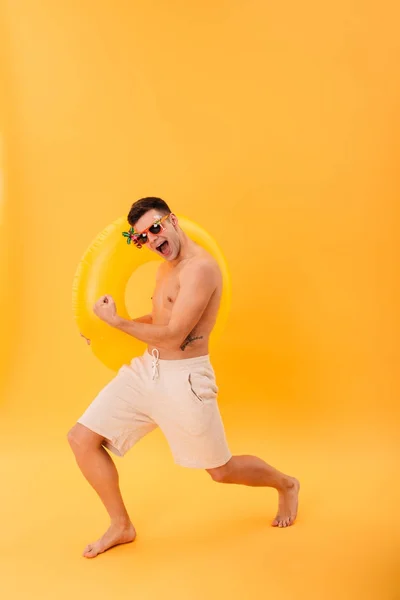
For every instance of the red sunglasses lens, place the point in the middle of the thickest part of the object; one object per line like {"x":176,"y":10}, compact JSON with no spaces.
{"x":156,"y":228}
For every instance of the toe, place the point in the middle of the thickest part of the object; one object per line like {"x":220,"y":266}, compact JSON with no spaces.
{"x":89,"y":552}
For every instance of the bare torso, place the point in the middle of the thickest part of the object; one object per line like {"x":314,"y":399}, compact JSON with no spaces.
{"x":169,"y":278}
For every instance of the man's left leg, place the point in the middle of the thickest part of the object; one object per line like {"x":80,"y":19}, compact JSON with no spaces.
{"x":253,"y":471}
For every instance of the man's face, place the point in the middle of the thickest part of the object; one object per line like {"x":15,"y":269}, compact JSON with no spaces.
{"x":165,"y":242}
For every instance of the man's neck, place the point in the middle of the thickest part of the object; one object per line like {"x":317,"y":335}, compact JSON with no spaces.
{"x":188,"y":249}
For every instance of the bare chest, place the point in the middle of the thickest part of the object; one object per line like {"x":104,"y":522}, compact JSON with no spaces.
{"x":166,"y":292}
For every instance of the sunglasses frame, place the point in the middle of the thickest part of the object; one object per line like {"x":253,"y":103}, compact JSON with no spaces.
{"x":133,"y":236}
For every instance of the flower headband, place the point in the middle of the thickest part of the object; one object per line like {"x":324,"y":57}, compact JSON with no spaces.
{"x":131,"y":235}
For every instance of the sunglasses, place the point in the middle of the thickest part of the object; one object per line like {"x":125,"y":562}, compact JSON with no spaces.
{"x":140,"y":239}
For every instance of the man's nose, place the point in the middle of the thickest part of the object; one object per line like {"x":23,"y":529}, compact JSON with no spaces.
{"x":152,"y":237}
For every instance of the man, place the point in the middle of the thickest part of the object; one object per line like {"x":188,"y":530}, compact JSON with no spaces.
{"x":172,"y":386}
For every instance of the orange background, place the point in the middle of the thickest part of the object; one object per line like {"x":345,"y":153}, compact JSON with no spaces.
{"x":276,"y":127}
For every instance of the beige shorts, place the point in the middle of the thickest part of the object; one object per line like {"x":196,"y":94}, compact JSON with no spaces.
{"x":179,"y":396}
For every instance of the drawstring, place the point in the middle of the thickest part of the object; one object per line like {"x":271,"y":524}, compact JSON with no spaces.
{"x":155,"y":353}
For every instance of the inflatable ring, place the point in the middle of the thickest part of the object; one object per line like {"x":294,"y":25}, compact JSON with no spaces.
{"x":106,"y":267}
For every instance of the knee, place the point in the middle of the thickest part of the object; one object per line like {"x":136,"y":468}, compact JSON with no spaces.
{"x":73,"y":438}
{"x":220,"y":474}
{"x":82,"y":439}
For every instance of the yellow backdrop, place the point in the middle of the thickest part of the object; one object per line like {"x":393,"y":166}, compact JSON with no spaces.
{"x":275,"y":127}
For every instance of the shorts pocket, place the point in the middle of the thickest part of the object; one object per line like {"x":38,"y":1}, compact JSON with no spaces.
{"x":202,"y":387}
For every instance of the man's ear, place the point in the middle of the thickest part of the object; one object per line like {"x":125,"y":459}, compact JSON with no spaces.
{"x":174,"y":219}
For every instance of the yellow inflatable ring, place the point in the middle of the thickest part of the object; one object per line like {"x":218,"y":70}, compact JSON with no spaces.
{"x":106,"y":268}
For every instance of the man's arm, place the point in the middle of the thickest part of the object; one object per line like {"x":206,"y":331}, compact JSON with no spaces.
{"x":145,"y":319}
{"x":196,"y":288}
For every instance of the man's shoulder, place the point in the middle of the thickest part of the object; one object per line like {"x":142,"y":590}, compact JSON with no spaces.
{"x":201,"y":267}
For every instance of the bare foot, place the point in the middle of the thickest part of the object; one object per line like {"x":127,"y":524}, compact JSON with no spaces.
{"x":288,"y":502}
{"x":116,"y":534}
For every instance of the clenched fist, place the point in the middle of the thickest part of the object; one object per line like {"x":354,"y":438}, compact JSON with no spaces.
{"x":105,"y":308}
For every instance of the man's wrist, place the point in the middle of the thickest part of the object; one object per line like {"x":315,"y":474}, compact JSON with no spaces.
{"x":117,"y":321}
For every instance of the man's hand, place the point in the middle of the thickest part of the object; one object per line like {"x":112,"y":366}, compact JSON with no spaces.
{"x":105,"y":308}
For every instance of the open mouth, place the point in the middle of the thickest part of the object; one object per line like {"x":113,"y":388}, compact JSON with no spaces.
{"x":163,"y":248}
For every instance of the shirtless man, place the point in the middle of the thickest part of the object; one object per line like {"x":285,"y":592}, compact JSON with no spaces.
{"x":172,"y":386}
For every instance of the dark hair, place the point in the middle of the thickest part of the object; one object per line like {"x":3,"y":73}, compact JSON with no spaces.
{"x":140,"y":207}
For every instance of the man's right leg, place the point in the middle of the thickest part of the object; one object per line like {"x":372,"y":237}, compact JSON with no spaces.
{"x":100,"y":471}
